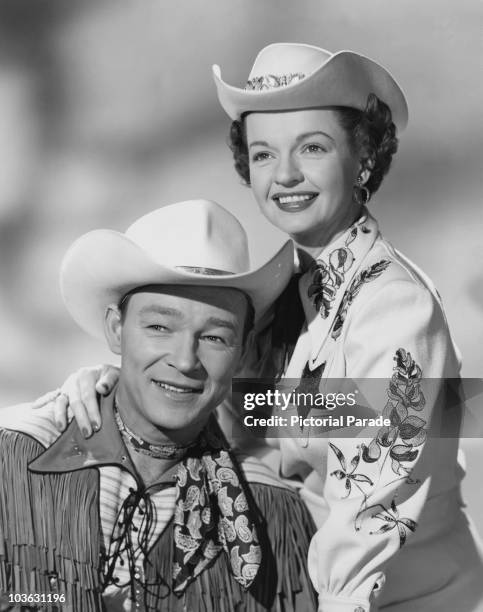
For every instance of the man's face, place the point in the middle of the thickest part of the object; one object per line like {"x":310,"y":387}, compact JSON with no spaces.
{"x":180,"y":347}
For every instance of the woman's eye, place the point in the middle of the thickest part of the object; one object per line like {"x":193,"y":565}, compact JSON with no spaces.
{"x":314,"y":148}
{"x":261,"y":156}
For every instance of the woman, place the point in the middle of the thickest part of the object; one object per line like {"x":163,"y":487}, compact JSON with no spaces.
{"x":313,"y":134}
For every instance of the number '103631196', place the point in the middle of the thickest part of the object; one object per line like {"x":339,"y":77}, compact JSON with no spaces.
{"x":39,"y":598}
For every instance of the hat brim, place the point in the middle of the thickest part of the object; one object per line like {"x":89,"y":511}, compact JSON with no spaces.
{"x":345,"y":79}
{"x":103,"y":266}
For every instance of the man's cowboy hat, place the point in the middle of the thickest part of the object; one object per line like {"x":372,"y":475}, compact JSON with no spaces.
{"x":188,"y":243}
{"x":291,"y":76}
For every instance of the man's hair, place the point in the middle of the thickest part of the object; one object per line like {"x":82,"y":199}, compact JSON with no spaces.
{"x":371,"y":134}
{"x":249,"y":315}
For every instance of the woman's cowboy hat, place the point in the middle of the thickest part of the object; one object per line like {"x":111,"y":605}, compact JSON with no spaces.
{"x":188,"y":243}
{"x":290,"y":76}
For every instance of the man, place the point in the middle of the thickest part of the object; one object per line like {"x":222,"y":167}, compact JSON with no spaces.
{"x":154,"y":511}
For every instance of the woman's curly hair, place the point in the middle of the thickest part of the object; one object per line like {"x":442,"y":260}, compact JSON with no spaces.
{"x":371,"y":133}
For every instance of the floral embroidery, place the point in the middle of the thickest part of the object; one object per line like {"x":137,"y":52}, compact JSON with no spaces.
{"x":404,"y":393}
{"x":272,"y":81}
{"x":349,"y":476}
{"x":391,"y":520}
{"x":327,"y":278}
{"x":365,"y":276}
{"x":399,"y":442}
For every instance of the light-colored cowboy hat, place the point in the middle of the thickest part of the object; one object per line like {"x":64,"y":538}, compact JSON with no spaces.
{"x":196,"y":242}
{"x":291,"y":76}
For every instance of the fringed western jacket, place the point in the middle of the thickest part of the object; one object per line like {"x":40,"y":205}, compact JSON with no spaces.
{"x":52,"y":540}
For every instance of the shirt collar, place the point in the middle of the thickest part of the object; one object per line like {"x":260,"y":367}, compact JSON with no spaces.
{"x":71,"y":451}
{"x":323,"y":286}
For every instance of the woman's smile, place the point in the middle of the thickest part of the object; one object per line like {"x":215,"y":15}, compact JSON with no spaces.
{"x":293,"y":202}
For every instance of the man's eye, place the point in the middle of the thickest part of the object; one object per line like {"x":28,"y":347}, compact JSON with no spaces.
{"x":158,"y":327}
{"x":215,"y":339}
{"x":261,"y":156}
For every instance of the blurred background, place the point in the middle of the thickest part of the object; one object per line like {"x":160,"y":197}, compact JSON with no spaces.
{"x":108,"y":110}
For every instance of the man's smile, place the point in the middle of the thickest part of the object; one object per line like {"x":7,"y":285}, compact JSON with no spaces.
{"x":176,"y":388}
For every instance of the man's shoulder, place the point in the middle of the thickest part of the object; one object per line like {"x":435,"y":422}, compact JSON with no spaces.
{"x":38,"y":423}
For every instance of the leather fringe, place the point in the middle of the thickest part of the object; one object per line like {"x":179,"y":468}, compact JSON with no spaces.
{"x":282,"y":583}
{"x":36,"y":513}
{"x":50,"y":542}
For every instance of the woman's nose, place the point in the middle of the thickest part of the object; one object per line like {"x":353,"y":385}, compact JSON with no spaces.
{"x":288,"y":173}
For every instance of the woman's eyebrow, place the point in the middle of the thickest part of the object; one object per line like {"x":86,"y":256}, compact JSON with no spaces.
{"x":258,"y":143}
{"x":305,"y":135}
{"x":299,"y":138}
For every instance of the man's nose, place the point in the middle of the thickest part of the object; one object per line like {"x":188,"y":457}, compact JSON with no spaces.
{"x":184,"y":353}
{"x":288,"y":173}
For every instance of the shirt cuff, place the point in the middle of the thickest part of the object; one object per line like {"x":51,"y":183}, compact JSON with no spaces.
{"x":329,"y":604}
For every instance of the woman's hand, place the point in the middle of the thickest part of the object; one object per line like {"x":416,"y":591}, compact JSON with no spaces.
{"x":78,"y":397}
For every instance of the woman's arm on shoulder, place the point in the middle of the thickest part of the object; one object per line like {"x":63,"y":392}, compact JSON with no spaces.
{"x":78,"y":397}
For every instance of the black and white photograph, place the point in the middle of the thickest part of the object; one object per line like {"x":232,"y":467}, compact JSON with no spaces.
{"x":241,"y":304}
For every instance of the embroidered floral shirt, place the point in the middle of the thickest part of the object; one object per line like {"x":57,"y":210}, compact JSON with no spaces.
{"x":392,"y":533}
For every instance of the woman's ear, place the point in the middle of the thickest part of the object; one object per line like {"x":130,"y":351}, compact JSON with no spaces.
{"x":363,"y":177}
{"x":113,"y":328}
{"x":365,"y":170}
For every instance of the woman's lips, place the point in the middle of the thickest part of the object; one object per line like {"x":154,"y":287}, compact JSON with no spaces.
{"x":294,"y":202}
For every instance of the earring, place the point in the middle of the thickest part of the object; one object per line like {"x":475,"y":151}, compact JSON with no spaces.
{"x":361,"y":193}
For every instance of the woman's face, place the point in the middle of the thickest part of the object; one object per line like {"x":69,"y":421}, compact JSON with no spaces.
{"x":302,"y":172}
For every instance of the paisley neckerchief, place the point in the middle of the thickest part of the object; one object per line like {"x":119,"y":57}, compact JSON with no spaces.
{"x":212,"y":513}
{"x":323,"y":286}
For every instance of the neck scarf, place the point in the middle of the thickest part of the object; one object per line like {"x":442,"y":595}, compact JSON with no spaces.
{"x":211,"y":516}
{"x":212,"y":513}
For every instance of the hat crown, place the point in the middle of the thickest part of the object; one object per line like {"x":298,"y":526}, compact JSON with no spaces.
{"x":282,"y":59}
{"x":294,"y":76}
{"x":196,"y":242}
{"x":195,"y":234}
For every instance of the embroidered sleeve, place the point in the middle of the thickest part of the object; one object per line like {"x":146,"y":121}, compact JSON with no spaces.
{"x":377,"y":483}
